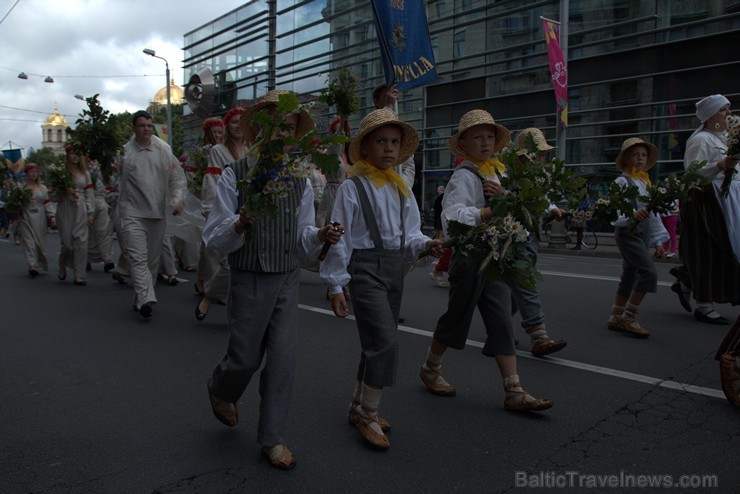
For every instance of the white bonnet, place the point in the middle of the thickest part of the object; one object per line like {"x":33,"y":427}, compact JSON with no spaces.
{"x":707,"y":107}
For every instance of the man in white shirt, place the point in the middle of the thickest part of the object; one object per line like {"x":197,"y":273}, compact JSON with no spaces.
{"x":150,"y":176}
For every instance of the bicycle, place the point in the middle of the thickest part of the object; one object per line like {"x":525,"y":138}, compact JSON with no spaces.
{"x":590,"y":240}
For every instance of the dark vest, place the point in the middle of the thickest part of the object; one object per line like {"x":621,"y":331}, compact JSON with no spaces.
{"x":272,"y":246}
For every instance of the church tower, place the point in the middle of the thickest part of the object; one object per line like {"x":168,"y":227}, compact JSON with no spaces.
{"x":53,"y":132}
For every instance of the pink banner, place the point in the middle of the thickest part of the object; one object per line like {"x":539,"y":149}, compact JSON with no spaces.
{"x":557,"y":68}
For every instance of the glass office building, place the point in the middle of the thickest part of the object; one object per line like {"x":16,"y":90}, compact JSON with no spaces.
{"x":636,"y":68}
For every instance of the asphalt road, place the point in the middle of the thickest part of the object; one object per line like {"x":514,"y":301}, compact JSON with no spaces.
{"x":95,"y":399}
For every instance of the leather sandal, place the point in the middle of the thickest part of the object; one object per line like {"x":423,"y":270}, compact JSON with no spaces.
{"x":625,"y":326}
{"x":364,"y":425}
{"x":385,"y":426}
{"x":545,"y":346}
{"x":435,"y":383}
{"x":517,"y":401}
{"x":279,"y":456}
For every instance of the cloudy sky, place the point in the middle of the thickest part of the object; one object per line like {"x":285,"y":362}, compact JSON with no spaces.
{"x":87,"y":46}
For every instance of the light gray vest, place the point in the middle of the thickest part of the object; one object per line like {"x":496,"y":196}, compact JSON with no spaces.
{"x":273,"y":244}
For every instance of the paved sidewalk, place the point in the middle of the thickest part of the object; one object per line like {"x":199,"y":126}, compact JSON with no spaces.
{"x":605,"y":248}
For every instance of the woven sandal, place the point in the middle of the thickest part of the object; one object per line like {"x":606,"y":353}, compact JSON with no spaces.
{"x":364,"y":425}
{"x":519,"y":402}
{"x":385,"y":426}
{"x":625,"y":326}
{"x":282,"y":458}
{"x":435,"y":383}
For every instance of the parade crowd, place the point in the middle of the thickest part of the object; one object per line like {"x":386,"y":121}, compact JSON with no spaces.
{"x":363,"y":221}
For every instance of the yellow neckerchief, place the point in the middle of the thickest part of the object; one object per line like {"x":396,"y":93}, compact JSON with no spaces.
{"x":637,"y":174}
{"x":379,"y":177}
{"x":489,"y":167}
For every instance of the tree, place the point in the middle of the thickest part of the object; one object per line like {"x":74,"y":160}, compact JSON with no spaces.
{"x":43,"y":157}
{"x":98,"y":135}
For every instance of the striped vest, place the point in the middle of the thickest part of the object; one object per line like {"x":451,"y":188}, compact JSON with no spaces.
{"x":272,"y":246}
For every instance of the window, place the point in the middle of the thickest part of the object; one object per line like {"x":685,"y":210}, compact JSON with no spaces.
{"x":458,"y":44}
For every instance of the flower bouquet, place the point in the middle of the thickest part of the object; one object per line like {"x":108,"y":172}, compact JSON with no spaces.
{"x":733,"y":151}
{"x":275,"y":172}
{"x":498,"y":246}
{"x":59,"y":178}
{"x":342,"y":94}
{"x":19,"y":197}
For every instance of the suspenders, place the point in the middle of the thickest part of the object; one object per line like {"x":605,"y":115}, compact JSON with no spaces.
{"x":369,"y":217}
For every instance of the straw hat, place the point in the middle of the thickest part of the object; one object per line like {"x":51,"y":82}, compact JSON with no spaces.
{"x":634,"y":141}
{"x":379,"y":118}
{"x":479,"y":117}
{"x":520,"y":143}
{"x":305,"y":123}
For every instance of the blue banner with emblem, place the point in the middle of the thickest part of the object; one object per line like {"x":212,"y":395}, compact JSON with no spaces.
{"x":13,"y":162}
{"x":405,"y":46}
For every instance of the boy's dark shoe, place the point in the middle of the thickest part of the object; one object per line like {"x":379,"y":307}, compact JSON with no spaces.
{"x":683,"y":297}
{"x":224,"y":411}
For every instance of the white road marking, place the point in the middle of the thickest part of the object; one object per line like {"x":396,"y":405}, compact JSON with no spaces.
{"x":591,"y":277}
{"x":689,"y":388}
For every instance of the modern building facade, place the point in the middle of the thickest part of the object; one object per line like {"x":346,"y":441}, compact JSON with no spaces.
{"x":636,"y":68}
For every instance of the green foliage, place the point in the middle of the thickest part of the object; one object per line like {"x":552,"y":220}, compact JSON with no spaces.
{"x":532,"y":186}
{"x":621,"y":199}
{"x":276,"y":172}
{"x":18,"y":198}
{"x":197,"y":157}
{"x":341,"y":93}
{"x":97,"y":136}
{"x":499,"y":245}
{"x":42,"y":157}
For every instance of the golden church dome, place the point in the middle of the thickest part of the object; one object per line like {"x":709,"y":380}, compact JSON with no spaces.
{"x":176,"y":95}
{"x":55,"y":119}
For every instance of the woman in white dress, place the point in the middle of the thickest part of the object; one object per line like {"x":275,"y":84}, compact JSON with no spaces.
{"x":215,"y":267}
{"x":33,"y":222}
{"x":75,"y":210}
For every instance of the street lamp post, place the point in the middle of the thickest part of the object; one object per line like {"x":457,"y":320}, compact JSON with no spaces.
{"x":152,"y":53}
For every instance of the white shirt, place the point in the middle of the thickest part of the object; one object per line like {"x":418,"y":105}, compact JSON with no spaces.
{"x":386,"y":205}
{"x":464,"y":198}
{"x":149,"y":177}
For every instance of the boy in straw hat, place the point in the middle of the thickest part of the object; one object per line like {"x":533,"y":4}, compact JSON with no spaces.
{"x":639,"y":275}
{"x":527,"y":300}
{"x":382,"y":231}
{"x":478,"y":138}
{"x":263,"y":294}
